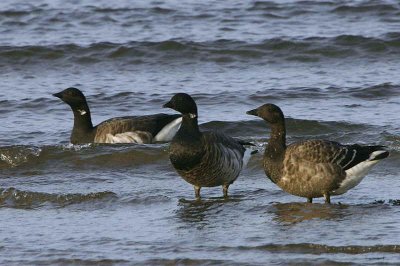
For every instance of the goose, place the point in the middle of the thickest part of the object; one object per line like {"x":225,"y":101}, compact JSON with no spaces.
{"x":204,"y":159}
{"x":313,"y":168}
{"x":128,"y":129}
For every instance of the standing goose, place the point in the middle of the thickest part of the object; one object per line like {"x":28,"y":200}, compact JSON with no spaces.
{"x":129,"y":129}
{"x":204,"y":159}
{"x":313,"y":168}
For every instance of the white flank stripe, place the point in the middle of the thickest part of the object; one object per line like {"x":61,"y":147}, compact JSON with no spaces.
{"x":354,"y":176}
{"x":168,"y":132}
{"x":246,"y":157}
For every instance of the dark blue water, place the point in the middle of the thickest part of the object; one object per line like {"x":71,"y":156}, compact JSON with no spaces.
{"x":332,"y":66}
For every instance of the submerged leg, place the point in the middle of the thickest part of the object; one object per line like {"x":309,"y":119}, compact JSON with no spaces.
{"x":225,"y":190}
{"x":309,"y":200}
{"x":197,"y":191}
{"x":327,"y":198}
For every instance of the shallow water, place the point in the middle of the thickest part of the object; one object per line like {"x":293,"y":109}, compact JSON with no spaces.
{"x":331,"y":65}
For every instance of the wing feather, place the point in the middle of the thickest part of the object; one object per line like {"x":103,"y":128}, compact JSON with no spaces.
{"x":151,"y":124}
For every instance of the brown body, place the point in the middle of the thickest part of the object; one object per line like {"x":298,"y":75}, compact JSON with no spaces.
{"x":313,"y":168}
{"x":307,"y":169}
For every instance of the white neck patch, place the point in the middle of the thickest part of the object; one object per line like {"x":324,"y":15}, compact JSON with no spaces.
{"x":192,"y":115}
{"x":82,"y":112}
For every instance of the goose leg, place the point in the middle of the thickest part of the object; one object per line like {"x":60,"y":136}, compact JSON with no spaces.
{"x":309,"y":200}
{"x":197,"y":191}
{"x":225,"y":190}
{"x":327,"y":198}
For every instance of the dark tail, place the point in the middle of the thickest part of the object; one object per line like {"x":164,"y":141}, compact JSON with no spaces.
{"x":383,"y":155}
{"x":247,"y":143}
{"x":368,"y":150}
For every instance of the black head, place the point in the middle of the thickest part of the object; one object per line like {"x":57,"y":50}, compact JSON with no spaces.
{"x":71,"y":96}
{"x":182,"y":103}
{"x":269,"y":112}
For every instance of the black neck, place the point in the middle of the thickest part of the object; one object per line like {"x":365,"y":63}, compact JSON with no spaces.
{"x":189,"y":128}
{"x":83,"y":126}
{"x":186,"y":150}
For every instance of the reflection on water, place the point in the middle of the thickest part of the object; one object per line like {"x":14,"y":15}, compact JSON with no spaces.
{"x":198,"y":212}
{"x":291,"y":213}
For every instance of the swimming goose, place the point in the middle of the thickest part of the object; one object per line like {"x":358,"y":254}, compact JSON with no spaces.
{"x":313,"y":168}
{"x":204,"y":159}
{"x":129,"y":129}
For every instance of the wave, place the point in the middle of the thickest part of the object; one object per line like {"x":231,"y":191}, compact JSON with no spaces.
{"x":15,"y":155}
{"x":385,"y":7}
{"x":127,"y":101}
{"x":366,"y":7}
{"x":374,"y":92}
{"x":330,"y":6}
{"x":390,"y":202}
{"x":385,"y":90}
{"x":298,"y":128}
{"x":14,"y":198}
{"x":70,"y":261}
{"x":308,"y":49}
{"x":309,"y":248}
{"x":154,"y":10}
{"x":120,"y":156}
{"x":190,"y":261}
{"x":101,"y":155}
